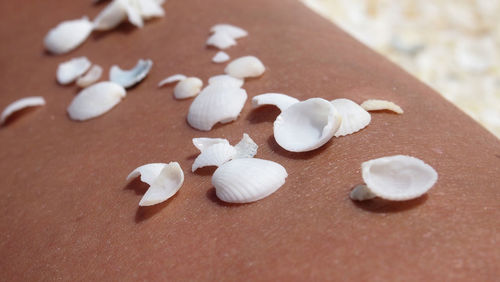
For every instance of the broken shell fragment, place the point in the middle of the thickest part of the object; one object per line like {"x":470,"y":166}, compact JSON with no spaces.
{"x":247,"y":180}
{"x":115,"y":13}
{"x":128,"y":78}
{"x":172,"y":79}
{"x":217,"y":151}
{"x":221,"y":40}
{"x":225,"y":80}
{"x":220,"y":57}
{"x":231,"y":30}
{"x":164,"y":180}
{"x":379,"y":105}
{"x":395,"y":178}
{"x":202,"y":143}
{"x":69,"y":71}
{"x":306,"y":125}
{"x":188,"y":88}
{"x":68,"y":35}
{"x":91,"y":77}
{"x":216,"y":104}
{"x":354,"y":117}
{"x":150,"y":9}
{"x":214,"y":155}
{"x":247,"y":66}
{"x":281,"y":101}
{"x":95,"y":100}
{"x":19,"y":105}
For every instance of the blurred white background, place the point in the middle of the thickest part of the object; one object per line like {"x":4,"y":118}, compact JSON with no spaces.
{"x":452,"y":45}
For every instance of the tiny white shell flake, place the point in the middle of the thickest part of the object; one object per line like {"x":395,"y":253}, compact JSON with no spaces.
{"x":220,"y":57}
{"x":379,"y":105}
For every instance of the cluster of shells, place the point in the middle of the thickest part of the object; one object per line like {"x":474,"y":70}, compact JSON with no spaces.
{"x":301,"y":126}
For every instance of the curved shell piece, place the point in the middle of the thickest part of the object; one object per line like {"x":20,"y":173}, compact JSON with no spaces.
{"x":225,"y":80}
{"x":216,"y":104}
{"x":188,"y":88}
{"x":95,"y":100}
{"x":202,"y":143}
{"x":247,"y":66}
{"x":354,"y":117}
{"x":68,"y":35}
{"x":128,"y":78}
{"x":221,"y":40}
{"x":109,"y":18}
{"x":172,"y":79}
{"x":69,"y":71}
{"x":220,"y":57}
{"x":306,"y":125}
{"x":214,"y":155}
{"x":164,"y":180}
{"x":247,"y":180}
{"x":231,"y":30}
{"x":281,"y":101}
{"x":91,"y":77}
{"x":379,"y":105}
{"x":19,"y":105}
{"x":399,"y":177}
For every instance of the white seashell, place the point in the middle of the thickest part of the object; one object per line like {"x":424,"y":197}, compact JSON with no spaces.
{"x":247,"y":180}
{"x":109,"y":18}
{"x":247,"y":66}
{"x":306,"y":125}
{"x":164,"y":180}
{"x":217,"y":151}
{"x":231,"y":30}
{"x":69,"y":71}
{"x":214,"y":155}
{"x":221,"y":40}
{"x":128,"y":78}
{"x":68,"y":35}
{"x":171,"y":79}
{"x":220,"y":57}
{"x":91,"y":77}
{"x":132,"y":7}
{"x":95,"y":100}
{"x":354,"y":117}
{"x":378,"y":105}
{"x":188,"y":88}
{"x":150,"y":9}
{"x":246,"y":148}
{"x":281,"y":101}
{"x":396,"y":178}
{"x":225,"y":80}
{"x":216,"y":104}
{"x":202,"y":143}
{"x":19,"y":105}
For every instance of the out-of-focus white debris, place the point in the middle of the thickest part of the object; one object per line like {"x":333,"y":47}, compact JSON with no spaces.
{"x":220,"y":57}
{"x":450,"y":45}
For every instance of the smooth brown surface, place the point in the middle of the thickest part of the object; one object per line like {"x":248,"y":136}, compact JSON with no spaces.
{"x":68,"y":213}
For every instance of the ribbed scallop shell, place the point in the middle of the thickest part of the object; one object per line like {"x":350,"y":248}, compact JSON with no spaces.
{"x":354,"y":117}
{"x":248,"y":180}
{"x":216,"y":104}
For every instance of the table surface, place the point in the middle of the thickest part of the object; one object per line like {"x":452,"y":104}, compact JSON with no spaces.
{"x":68,"y":213}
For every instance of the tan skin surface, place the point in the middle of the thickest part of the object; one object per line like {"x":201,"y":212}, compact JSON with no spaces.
{"x":68,"y":213}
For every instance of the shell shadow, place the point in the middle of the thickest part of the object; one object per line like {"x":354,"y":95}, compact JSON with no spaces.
{"x":205,"y":171}
{"x":292,"y":155}
{"x":212,"y":196}
{"x":16,"y":116}
{"x":378,"y":205}
{"x":262,"y":114}
{"x":124,"y":28}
